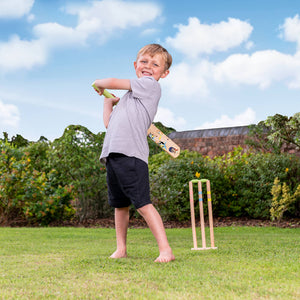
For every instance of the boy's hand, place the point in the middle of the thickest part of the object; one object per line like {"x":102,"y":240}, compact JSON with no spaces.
{"x":114,"y":100}
{"x":109,"y":98}
{"x":99,"y":91}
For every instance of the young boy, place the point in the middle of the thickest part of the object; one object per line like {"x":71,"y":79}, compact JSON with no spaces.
{"x":125,"y":149}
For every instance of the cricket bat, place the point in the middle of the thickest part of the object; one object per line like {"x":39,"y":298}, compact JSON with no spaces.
{"x":155,"y":134}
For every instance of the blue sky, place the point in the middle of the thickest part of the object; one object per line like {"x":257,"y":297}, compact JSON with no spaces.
{"x":234,"y":62}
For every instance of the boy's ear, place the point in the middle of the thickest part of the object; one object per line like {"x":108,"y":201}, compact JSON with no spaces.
{"x":134,"y":64}
{"x":165,"y":74}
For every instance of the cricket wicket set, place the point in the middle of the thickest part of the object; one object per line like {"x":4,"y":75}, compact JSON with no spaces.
{"x":210,"y":215}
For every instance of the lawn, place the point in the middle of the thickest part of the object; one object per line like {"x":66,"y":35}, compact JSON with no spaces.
{"x":73,"y":263}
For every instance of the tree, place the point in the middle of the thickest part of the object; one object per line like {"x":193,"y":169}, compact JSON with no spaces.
{"x":270,"y":135}
{"x":283,"y":129}
{"x":75,"y":157}
{"x":17,"y":141}
{"x":30,"y":195}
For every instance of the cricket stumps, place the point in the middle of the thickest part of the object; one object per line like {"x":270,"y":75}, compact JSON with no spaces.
{"x":210,"y":215}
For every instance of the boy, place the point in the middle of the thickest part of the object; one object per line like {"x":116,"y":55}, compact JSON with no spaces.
{"x":125,"y":149}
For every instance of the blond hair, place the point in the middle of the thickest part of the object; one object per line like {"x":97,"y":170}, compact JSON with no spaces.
{"x":154,"y":49}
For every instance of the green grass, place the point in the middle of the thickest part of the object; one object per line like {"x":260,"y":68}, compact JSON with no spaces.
{"x":73,"y":263}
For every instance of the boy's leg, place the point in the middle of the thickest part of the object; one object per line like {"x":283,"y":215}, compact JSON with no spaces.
{"x":154,"y":221}
{"x":121,"y":224}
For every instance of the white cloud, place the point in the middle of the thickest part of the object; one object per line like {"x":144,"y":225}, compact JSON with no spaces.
{"x":262,"y":68}
{"x":291,"y":30}
{"x":9,"y":115}
{"x":249,"y":45}
{"x":194,"y":81}
{"x":19,"y":54}
{"x":30,"y":18}
{"x":54,"y":35}
{"x":15,"y":8}
{"x":105,"y":17}
{"x":100,"y":17}
{"x":150,"y":31}
{"x":196,"y":38}
{"x":167,"y":117}
{"x":245,"y":118}
{"x":189,"y":81}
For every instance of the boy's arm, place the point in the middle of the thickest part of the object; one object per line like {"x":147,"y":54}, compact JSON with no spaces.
{"x":108,"y":105}
{"x":110,"y":83}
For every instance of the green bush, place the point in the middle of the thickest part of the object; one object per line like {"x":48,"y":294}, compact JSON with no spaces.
{"x":241,"y":182}
{"x":255,"y":182}
{"x":75,"y":157}
{"x":28,"y":194}
{"x":170,"y":183}
{"x":9,"y":177}
{"x":42,"y":182}
{"x":282,"y":199}
{"x":232,"y":166}
{"x":38,"y":153}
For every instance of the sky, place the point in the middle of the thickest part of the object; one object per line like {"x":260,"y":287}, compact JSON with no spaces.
{"x":234,"y":62}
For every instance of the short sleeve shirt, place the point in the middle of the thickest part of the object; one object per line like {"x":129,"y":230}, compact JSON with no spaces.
{"x":131,"y":118}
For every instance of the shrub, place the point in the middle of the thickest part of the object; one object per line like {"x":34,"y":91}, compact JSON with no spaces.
{"x":75,"y":157}
{"x":170,"y":183}
{"x":256,"y":179}
{"x":28,"y":194}
{"x":38,"y":153}
{"x":282,"y":199}
{"x":232,"y":166}
{"x":241,"y":182}
{"x":9,"y":176}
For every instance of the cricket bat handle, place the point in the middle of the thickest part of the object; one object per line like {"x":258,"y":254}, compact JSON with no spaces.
{"x":106,"y":94}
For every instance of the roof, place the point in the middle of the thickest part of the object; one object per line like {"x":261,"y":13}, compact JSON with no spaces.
{"x":205,"y":133}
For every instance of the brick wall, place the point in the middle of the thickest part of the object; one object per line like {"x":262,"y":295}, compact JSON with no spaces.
{"x":216,"y":141}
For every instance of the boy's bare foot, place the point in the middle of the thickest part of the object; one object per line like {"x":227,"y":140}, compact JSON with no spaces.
{"x":119,"y":254}
{"x":165,"y":257}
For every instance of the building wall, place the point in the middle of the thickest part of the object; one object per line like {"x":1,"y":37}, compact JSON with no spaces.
{"x":215,"y":142}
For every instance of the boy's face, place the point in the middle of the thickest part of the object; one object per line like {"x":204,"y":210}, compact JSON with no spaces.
{"x":150,"y":66}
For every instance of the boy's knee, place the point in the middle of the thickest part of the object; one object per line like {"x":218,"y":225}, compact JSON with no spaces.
{"x":144,"y":209}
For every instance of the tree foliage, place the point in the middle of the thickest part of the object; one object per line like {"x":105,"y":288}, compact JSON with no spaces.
{"x":278,"y":130}
{"x":67,"y":166}
{"x":282,"y":199}
{"x":241,"y":182}
{"x":43,"y":182}
{"x":284,"y":129}
{"x":27,"y":194}
{"x":75,"y":156}
{"x":17,"y":141}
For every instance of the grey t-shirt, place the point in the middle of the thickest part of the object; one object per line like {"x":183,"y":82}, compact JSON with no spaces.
{"x":131,"y":118}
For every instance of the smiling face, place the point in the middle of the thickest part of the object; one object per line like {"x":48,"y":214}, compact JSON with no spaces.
{"x":153,"y":66}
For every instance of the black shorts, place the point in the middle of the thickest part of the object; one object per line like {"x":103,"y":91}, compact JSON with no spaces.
{"x":128,"y":181}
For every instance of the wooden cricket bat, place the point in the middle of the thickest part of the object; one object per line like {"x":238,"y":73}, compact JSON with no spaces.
{"x":163,"y":141}
{"x":155,"y":134}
